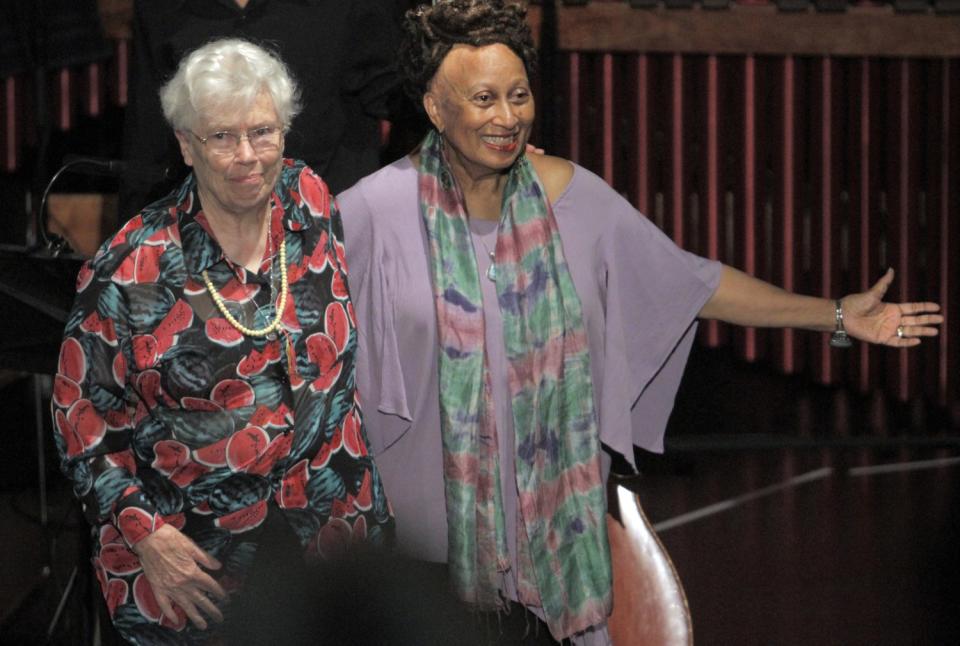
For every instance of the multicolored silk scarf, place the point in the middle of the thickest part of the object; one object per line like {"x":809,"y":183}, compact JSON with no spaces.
{"x":562,"y":542}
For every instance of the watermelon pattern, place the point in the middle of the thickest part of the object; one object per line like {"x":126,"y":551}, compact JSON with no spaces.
{"x":165,"y":414}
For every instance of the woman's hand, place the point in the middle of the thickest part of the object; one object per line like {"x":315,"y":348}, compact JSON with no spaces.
{"x":172,"y":564}
{"x":868,"y":318}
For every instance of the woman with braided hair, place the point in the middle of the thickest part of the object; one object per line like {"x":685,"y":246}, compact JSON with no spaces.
{"x":520,"y":323}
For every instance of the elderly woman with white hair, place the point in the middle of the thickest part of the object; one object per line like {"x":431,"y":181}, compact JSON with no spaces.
{"x":204,"y":405}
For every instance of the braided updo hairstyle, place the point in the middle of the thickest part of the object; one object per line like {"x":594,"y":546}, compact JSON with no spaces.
{"x":432,"y":31}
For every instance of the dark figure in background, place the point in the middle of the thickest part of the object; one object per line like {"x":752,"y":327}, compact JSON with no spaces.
{"x":341,"y":53}
{"x":376,"y":599}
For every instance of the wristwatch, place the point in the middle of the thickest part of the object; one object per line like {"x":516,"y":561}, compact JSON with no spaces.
{"x":839,"y":338}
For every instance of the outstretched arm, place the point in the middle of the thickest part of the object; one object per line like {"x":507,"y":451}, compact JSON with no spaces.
{"x":743,"y":300}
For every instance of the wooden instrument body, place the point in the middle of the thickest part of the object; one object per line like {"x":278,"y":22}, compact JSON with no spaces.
{"x":649,"y":605}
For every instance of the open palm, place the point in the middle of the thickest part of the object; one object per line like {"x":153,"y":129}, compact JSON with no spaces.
{"x":867,"y":317}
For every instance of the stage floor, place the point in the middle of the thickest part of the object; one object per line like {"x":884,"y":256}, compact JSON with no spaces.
{"x":773,"y":546}
{"x":841,"y":545}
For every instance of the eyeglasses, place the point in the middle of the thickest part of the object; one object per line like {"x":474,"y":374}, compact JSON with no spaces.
{"x":225,"y":142}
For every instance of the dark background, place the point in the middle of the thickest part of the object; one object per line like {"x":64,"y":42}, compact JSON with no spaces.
{"x":851,"y":558}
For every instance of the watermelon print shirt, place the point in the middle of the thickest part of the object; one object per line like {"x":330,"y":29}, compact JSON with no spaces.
{"x":164,"y":413}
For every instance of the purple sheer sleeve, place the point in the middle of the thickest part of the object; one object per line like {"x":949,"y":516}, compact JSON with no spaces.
{"x":379,"y":374}
{"x":650,"y":292}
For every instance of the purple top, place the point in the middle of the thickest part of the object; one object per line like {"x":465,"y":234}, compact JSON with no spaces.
{"x":640,"y":296}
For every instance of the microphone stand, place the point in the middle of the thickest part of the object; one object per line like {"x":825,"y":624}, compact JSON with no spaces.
{"x":36,"y":237}
{"x":52,"y":246}
{"x":52,"y":243}
{"x":55,"y":244}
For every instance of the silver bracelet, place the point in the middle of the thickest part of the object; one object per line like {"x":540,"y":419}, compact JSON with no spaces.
{"x":839,"y":338}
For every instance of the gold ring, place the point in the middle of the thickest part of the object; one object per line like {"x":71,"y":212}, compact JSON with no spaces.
{"x":900,"y":331}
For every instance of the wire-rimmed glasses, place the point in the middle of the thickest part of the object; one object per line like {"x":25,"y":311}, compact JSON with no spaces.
{"x":225,"y":142}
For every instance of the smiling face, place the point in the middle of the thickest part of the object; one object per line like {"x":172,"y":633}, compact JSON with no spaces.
{"x":237,"y":184}
{"x":481,"y":103}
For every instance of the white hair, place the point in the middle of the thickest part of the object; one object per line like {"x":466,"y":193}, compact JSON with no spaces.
{"x":225,"y":77}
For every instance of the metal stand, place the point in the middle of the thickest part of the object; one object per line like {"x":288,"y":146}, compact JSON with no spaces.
{"x":49,"y":534}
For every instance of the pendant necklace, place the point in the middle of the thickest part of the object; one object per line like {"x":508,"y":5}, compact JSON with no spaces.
{"x":491,"y":268}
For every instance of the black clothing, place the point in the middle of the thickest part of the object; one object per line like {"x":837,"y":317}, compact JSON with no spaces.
{"x":366,"y":599}
{"x":341,"y":52}
{"x":50,"y":34}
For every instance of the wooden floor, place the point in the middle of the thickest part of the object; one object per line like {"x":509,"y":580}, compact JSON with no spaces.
{"x":813,"y":546}
{"x":782,"y":534}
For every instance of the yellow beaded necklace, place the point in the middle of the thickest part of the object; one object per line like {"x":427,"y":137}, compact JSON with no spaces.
{"x":281,"y":302}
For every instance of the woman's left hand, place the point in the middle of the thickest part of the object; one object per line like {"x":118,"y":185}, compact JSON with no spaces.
{"x":868,"y":318}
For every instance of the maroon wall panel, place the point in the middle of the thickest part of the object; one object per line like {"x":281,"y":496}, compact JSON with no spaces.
{"x":814,"y":172}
